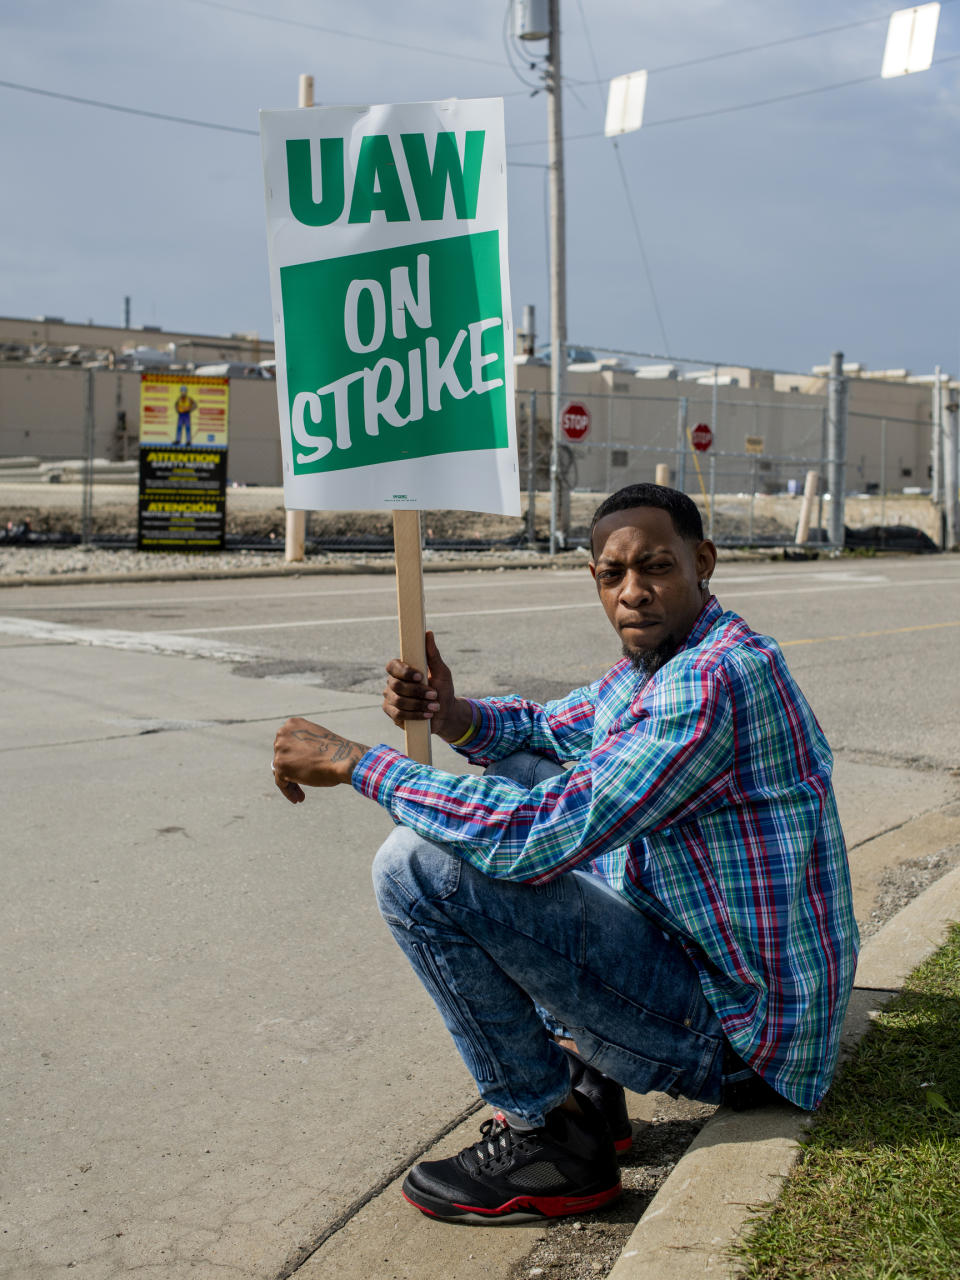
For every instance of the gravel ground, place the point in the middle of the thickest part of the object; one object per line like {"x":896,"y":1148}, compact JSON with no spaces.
{"x":906,"y":882}
{"x":88,"y":562}
{"x":37,"y":562}
{"x":18,"y":563}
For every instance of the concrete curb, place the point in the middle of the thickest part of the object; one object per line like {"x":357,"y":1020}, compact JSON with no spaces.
{"x":739,"y":1159}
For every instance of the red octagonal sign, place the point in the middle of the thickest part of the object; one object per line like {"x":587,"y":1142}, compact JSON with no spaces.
{"x":702,"y":437}
{"x":575,"y":420}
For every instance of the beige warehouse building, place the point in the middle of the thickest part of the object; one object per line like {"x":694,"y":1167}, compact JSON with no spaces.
{"x":767,"y":431}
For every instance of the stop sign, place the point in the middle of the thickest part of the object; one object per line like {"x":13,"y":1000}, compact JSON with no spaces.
{"x":575,"y":420}
{"x":702,"y":437}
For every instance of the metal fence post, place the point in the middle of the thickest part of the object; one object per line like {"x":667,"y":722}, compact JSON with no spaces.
{"x":950,"y":463}
{"x":532,"y":472}
{"x":837,"y":446}
{"x":86,"y":517}
{"x":682,"y":444}
{"x":883,"y":473}
{"x":713,"y":494}
{"x":608,"y":479}
{"x":936,"y":436}
{"x":824,"y":469}
{"x":753,"y":494}
{"x":554,"y":469}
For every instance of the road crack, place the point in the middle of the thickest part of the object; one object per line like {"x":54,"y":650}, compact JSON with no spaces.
{"x":297,"y":1259}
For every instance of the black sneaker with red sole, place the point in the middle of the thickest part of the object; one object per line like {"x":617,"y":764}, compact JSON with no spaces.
{"x":566,"y":1167}
{"x":606,"y":1095}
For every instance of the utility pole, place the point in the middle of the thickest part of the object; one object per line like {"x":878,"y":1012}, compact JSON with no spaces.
{"x":836,"y":447}
{"x":558,"y":259}
{"x":89,"y":436}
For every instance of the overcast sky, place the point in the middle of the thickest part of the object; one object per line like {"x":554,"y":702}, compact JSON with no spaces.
{"x":774,"y":235}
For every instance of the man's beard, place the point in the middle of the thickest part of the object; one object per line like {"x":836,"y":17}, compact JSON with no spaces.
{"x":649,"y":661}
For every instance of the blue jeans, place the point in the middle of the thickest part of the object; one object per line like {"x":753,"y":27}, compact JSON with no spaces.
{"x":495,"y":955}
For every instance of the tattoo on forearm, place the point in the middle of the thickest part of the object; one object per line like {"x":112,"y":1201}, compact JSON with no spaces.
{"x":330,"y":746}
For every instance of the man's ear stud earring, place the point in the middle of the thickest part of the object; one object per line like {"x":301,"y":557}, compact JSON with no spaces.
{"x":704,"y":584}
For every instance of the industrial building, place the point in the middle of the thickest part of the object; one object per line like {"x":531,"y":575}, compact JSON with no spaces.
{"x":767,"y":427}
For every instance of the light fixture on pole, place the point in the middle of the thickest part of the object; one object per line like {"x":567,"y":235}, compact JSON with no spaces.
{"x":911,"y":35}
{"x":625,"y":103}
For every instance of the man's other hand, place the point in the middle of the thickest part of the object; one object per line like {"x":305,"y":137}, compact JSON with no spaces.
{"x":408,"y":696}
{"x":307,"y":755}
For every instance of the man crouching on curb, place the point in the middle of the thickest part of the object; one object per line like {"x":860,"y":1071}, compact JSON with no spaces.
{"x":672,"y":912}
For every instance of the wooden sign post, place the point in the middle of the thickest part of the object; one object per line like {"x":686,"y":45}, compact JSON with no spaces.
{"x":387,"y":231}
{"x":294,"y":543}
{"x":413,"y":622}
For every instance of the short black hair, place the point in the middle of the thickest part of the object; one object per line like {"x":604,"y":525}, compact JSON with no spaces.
{"x":683,"y":510}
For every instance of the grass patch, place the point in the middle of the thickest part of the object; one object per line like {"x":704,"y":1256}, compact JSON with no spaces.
{"x":876,"y":1192}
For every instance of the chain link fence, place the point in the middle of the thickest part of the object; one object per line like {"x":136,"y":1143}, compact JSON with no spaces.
{"x":63,"y":424}
{"x":749,"y":481}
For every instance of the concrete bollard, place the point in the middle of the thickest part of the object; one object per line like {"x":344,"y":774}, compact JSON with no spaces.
{"x":293,"y":543}
{"x":806,"y":507}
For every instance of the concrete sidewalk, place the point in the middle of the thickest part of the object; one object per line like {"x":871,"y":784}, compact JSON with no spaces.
{"x":217,"y":1061}
{"x":738,"y":1160}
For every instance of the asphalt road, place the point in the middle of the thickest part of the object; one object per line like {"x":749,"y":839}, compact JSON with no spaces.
{"x":213,"y":1047}
{"x":875,"y":644}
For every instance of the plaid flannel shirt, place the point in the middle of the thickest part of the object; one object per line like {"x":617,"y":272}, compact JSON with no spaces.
{"x":702,"y":795}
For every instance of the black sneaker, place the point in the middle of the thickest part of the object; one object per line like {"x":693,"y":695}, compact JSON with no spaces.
{"x":512,"y":1175}
{"x":606,"y":1095}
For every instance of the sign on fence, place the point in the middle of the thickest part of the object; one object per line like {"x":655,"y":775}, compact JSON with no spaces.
{"x":701,"y":437}
{"x":182,"y":499}
{"x":183,"y":462}
{"x":575,"y":420}
{"x":387,"y":232}
{"x":176,"y":409}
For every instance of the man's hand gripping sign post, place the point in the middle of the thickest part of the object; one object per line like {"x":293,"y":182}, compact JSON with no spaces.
{"x":308,"y":755}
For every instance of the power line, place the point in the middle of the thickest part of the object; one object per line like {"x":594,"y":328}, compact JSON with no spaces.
{"x":130,"y":111}
{"x":629,"y":194}
{"x":763,"y":102}
{"x":346,"y":35}
{"x":742,"y":106}
{"x":767,"y":44}
{"x":160,"y":115}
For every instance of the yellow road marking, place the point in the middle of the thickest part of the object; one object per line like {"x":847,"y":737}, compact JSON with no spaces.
{"x":862,"y":635}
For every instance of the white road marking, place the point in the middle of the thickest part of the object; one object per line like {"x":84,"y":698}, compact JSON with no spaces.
{"x":513,"y":578}
{"x":389,"y":589}
{"x":135,"y":641}
{"x":388,"y":617}
{"x":181,"y":640}
{"x":540,"y":608}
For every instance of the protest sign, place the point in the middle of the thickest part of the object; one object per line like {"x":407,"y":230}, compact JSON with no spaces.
{"x":387,"y":232}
